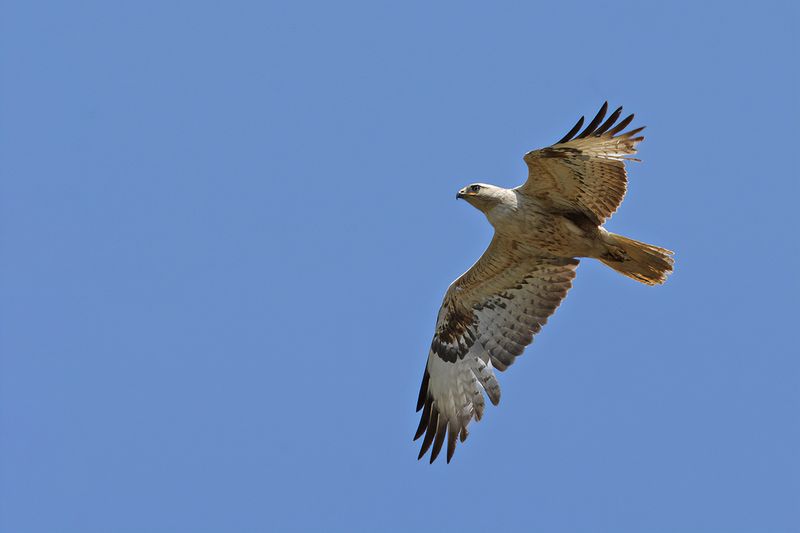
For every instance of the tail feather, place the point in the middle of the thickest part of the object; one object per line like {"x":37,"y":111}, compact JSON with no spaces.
{"x":638,"y":260}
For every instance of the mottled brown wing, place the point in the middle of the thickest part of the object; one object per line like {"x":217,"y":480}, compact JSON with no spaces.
{"x":584,"y":173}
{"x":488,"y":317}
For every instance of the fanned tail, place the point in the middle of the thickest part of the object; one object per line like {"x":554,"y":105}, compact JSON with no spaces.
{"x":638,"y":260}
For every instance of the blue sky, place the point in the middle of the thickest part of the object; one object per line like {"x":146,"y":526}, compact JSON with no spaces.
{"x":226,"y":229}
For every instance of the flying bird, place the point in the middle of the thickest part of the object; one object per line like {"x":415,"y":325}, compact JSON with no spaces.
{"x":541,"y":228}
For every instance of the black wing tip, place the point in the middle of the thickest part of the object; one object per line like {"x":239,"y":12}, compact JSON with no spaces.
{"x":424,"y":420}
{"x":595,"y":128}
{"x":426,"y":443}
{"x":441,"y":430}
{"x":430,"y":430}
{"x":423,"y":389}
{"x":572,"y":132}
{"x":436,"y":428}
{"x":609,"y":121}
{"x":598,"y":118}
{"x":452,"y":438}
{"x":634,"y":132}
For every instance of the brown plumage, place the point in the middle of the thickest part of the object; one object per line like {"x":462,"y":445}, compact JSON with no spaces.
{"x":491,"y":312}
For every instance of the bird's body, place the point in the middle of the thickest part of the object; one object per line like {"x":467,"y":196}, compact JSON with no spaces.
{"x":528,"y":220}
{"x":492,"y":311}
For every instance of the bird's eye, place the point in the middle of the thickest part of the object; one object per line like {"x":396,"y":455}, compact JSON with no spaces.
{"x":475,"y":188}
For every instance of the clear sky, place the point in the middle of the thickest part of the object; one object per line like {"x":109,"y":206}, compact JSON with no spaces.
{"x":226,"y":228}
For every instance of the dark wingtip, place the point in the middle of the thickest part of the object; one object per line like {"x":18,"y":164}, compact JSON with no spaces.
{"x":622,"y":125}
{"x":424,"y":448}
{"x":430,"y":433}
{"x":609,"y":121}
{"x":571,"y":132}
{"x":452,"y":437}
{"x":634,"y":132}
{"x":439,"y":440}
{"x":595,"y":122}
{"x":596,"y":129}
{"x":423,"y":390}
{"x":424,"y":419}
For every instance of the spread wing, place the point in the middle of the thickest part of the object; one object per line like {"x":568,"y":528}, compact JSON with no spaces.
{"x":584,"y":173}
{"x":488,"y":317}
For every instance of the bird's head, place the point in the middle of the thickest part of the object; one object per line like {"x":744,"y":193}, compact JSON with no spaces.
{"x":482,"y":196}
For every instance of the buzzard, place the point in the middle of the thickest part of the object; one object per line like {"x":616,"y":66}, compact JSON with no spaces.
{"x":491,"y":313}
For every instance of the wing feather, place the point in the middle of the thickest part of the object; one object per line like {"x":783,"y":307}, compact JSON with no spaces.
{"x":585,"y":174}
{"x":572,"y":132}
{"x":595,"y":121}
{"x":488,"y":317}
{"x":609,"y":121}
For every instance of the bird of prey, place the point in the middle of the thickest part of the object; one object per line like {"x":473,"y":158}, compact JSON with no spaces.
{"x":491,"y":313}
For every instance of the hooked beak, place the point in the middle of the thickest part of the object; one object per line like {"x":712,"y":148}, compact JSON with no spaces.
{"x":461,"y":194}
